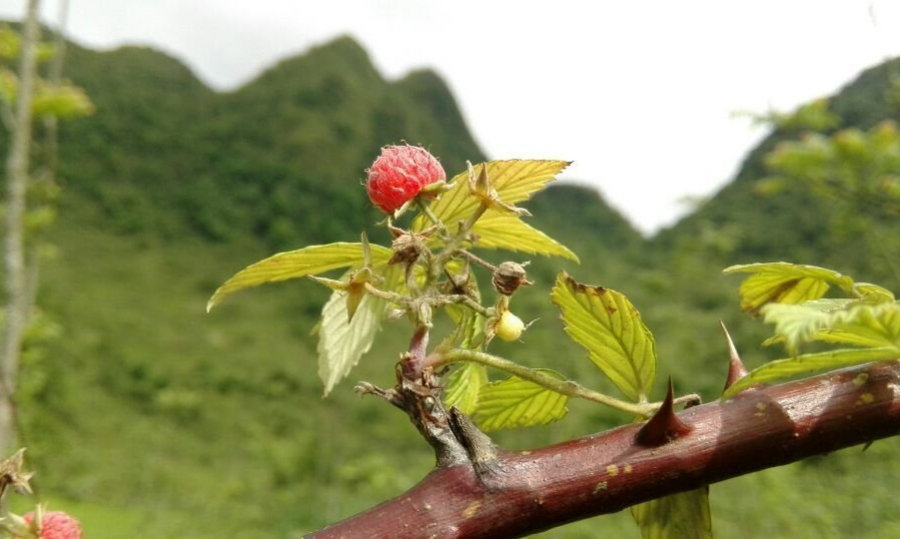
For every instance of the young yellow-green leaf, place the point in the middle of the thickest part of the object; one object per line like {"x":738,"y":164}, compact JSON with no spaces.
{"x":838,"y":336}
{"x":514,"y":180}
{"x":469,"y":332}
{"x":810,"y":363}
{"x":300,"y":263}
{"x":464,"y":385}
{"x":875,"y":294}
{"x":516,"y":403}
{"x":64,"y":101}
{"x":680,"y":516}
{"x":508,"y":231}
{"x":343,"y":343}
{"x":10,"y":43}
{"x":610,"y":328}
{"x":876,"y":323}
{"x":795,"y":324}
{"x":783,"y":282}
{"x":836,"y":321}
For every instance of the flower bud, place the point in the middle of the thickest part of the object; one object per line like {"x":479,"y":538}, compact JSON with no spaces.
{"x":406,"y":249}
{"x":508,"y":277}
{"x":509,"y":327}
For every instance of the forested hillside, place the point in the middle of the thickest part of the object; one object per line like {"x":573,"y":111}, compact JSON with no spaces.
{"x":149,"y":418}
{"x":746,"y":225}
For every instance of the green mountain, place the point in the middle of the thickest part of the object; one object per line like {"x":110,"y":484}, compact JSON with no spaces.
{"x":746,"y":226}
{"x":270,"y":158}
{"x":148,"y":418}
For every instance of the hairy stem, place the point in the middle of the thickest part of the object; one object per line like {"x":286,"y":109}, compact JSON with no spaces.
{"x":426,"y":210}
{"x":440,"y":261}
{"x":472,"y":257}
{"x":414,"y":361}
{"x":393,"y":297}
{"x":565,"y":387}
{"x":468,"y":302}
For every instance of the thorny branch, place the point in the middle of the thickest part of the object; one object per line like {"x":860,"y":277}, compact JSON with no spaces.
{"x":486,"y":492}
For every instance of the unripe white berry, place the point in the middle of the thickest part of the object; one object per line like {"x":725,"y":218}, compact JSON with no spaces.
{"x":509,"y":327}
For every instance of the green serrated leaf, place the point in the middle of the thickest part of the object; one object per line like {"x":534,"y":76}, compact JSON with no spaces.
{"x":850,"y":322}
{"x":343,"y":341}
{"x":874,"y":293}
{"x":508,"y":231}
{"x":516,"y":403}
{"x":810,"y":363}
{"x":294,"y":264}
{"x":794,"y":324}
{"x":680,"y":516}
{"x":837,"y":336}
{"x":610,"y":328}
{"x":469,"y":332}
{"x":472,"y":336}
{"x":875,"y":323}
{"x":783,"y":282}
{"x":464,"y":386}
{"x":514,"y":180}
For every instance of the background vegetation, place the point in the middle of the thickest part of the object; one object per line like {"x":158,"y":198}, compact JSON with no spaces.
{"x":147,"y":418}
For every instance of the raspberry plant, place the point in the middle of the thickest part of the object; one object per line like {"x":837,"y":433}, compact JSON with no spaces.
{"x":432,"y":268}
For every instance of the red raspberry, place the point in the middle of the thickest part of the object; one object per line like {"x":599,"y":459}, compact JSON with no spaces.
{"x":399,"y":174}
{"x":56,"y":525}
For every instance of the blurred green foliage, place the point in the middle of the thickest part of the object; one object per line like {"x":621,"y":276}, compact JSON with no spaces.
{"x":148,"y":418}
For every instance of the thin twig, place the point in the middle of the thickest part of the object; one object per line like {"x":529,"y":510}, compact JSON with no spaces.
{"x":564,"y":387}
{"x":426,"y":209}
{"x":472,"y":257}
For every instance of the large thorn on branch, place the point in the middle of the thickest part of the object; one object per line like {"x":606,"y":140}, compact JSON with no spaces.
{"x":608,"y":472}
{"x":664,"y":426}
{"x":481,"y":450}
{"x":736,"y":369}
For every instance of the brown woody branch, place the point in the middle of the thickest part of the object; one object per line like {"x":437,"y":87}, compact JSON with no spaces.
{"x":508,"y":494}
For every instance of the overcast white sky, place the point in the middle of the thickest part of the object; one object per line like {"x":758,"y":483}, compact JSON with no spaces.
{"x":639,"y":94}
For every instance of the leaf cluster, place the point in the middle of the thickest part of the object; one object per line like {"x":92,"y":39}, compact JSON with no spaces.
{"x":426,"y":268}
{"x":59,"y":100}
{"x":864,"y":321}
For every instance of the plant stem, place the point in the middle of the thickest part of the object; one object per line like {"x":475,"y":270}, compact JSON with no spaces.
{"x":426,"y":210}
{"x":439,"y":261}
{"x":393,"y":297}
{"x":468,"y":302}
{"x":472,"y":257}
{"x":564,"y":387}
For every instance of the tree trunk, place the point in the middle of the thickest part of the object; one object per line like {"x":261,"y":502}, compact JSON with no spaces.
{"x":17,"y":166}
{"x":510,"y":494}
{"x":50,"y":155}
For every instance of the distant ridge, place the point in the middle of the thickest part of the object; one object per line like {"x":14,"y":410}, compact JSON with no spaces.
{"x":790,"y":225}
{"x":280,"y":157}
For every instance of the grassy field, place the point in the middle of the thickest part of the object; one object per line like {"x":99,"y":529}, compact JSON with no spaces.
{"x":148,"y":418}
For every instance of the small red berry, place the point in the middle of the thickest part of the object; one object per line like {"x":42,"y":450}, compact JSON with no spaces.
{"x":399,"y":174}
{"x":56,"y":525}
